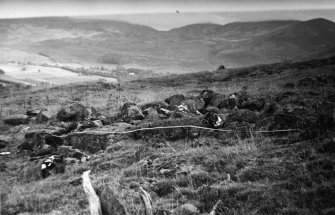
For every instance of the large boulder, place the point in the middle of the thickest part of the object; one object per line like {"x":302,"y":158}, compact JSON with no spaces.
{"x":242,"y":100}
{"x":73,"y":112}
{"x":151,"y":113}
{"x":68,"y":126}
{"x":92,"y":142}
{"x":188,"y":106}
{"x":32,"y":113}
{"x":88,"y":124}
{"x":221,"y":67}
{"x":175,"y":100}
{"x":43,"y":116}
{"x":182,"y":111}
{"x":242,"y":97}
{"x":37,"y":138}
{"x":44,"y":149}
{"x":209,"y":109}
{"x":254,"y":104}
{"x":214,"y":120}
{"x":194,"y":103}
{"x":93,"y":114}
{"x":212,"y":98}
{"x":130,"y":112}
{"x":69,"y":151}
{"x":155,"y":105}
{"x":52,"y":165}
{"x":165,"y":113}
{"x":16,"y":119}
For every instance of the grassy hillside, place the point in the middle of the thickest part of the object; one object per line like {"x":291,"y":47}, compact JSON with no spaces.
{"x":251,"y":174}
{"x":186,"y":49}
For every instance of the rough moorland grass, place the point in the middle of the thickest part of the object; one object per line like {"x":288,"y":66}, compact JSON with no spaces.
{"x":108,"y":99}
{"x":267,"y":177}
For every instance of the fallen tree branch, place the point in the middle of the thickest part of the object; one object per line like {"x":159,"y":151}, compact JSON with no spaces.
{"x":146,"y":198}
{"x":213,"y":212}
{"x":93,"y":199}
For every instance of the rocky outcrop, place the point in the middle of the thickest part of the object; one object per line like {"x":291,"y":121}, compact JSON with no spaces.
{"x":70,"y":152}
{"x":89,"y":142}
{"x":44,"y":149}
{"x":32,"y":113}
{"x":73,"y":112}
{"x":254,"y":104}
{"x":17,"y":119}
{"x":175,"y":100}
{"x":88,"y":124}
{"x":214,"y":120}
{"x":151,"y":114}
{"x":131,"y":112}
{"x":44,"y":116}
{"x":212,"y":98}
{"x":155,"y":105}
{"x":37,"y":138}
{"x":221,"y":67}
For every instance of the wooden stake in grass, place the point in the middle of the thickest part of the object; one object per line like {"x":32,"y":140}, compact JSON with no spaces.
{"x":93,"y":199}
{"x":146,"y":198}
{"x":213,"y":212}
{"x":1,"y":111}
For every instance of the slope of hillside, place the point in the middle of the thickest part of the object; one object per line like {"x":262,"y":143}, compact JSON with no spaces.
{"x":297,"y":39}
{"x":232,"y":31}
{"x":185,"y":170}
{"x":191,"y":48}
{"x":320,"y":53}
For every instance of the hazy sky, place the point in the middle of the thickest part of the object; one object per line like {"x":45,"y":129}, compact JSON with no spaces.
{"x":35,"y":8}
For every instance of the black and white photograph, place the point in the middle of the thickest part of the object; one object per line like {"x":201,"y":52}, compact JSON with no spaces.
{"x":167,"y":107}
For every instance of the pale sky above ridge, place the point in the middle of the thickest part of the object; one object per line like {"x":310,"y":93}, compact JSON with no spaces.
{"x":40,"y":8}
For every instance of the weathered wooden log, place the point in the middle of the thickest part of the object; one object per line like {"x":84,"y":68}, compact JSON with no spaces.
{"x":146,"y":198}
{"x":93,"y":199}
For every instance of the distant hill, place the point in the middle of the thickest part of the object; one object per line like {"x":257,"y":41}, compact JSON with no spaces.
{"x":298,"y":39}
{"x":186,"y":49}
{"x":232,"y":31}
{"x":329,"y":51}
